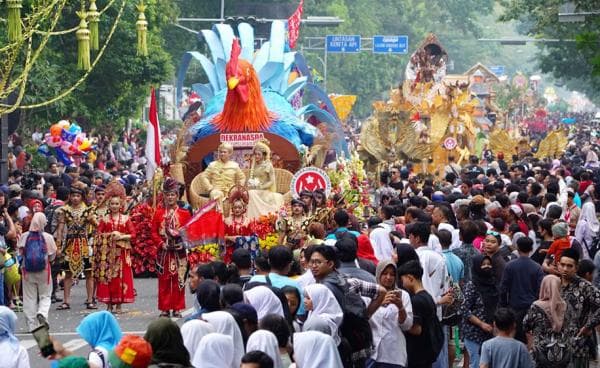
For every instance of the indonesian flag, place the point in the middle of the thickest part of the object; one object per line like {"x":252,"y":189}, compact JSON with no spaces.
{"x":152,"y":139}
{"x":294,"y":25}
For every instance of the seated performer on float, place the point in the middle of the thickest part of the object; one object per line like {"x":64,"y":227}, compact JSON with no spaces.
{"x":292,"y":230}
{"x":263,"y":198}
{"x":237,"y":223}
{"x":222,"y":174}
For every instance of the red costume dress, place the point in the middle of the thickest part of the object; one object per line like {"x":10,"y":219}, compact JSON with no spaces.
{"x":239,"y":227}
{"x":172,"y":260}
{"x":113,"y":261}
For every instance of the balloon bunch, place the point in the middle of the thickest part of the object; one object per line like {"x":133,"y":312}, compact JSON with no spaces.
{"x":65,"y":140}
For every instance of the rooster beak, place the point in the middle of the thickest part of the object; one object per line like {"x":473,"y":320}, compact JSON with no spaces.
{"x":232,"y":82}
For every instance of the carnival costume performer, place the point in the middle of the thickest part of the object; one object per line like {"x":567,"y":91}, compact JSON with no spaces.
{"x":172,"y":258}
{"x":292,"y":230}
{"x":113,"y":252}
{"x":262,"y":183}
{"x":237,"y":224}
{"x":76,"y":223}
{"x":221,"y":175}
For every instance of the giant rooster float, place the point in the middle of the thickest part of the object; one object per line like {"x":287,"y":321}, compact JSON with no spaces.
{"x":257,"y":91}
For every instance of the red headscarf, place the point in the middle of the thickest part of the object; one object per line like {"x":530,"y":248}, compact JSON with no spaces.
{"x":365,"y":250}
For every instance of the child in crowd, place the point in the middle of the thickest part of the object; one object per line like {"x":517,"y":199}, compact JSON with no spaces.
{"x":503,"y":351}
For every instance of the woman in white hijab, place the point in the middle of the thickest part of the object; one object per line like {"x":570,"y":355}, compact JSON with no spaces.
{"x":313,"y":349}
{"x":225,"y":324}
{"x":13,"y":354}
{"x":264,"y":301}
{"x":266,"y":342}
{"x":587,"y":227}
{"x":193,"y":331}
{"x":319,"y":301}
{"x":215,"y":351}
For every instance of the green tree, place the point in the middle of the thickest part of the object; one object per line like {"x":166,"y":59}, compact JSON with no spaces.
{"x":118,"y":85}
{"x":577,"y":63}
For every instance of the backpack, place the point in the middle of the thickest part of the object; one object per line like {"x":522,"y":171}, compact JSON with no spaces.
{"x":451,"y":315}
{"x":51,"y":225}
{"x":355,"y":326}
{"x":553,"y":353}
{"x":36,"y":253}
{"x":280,"y":295}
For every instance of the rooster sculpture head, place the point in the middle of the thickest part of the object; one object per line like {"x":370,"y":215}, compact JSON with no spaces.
{"x":238,"y":72}
{"x":244,"y":108}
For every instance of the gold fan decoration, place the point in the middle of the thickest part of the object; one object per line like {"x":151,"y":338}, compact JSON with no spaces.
{"x":553,"y":145}
{"x":500,"y":141}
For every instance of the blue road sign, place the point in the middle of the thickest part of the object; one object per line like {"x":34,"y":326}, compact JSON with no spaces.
{"x":390,"y":44}
{"x":498,"y":70}
{"x":342,"y":43}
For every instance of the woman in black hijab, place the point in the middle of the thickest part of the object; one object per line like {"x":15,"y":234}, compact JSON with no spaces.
{"x":167,"y":345}
{"x":478,"y":308}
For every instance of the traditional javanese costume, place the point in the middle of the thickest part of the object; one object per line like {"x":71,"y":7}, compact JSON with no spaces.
{"x":220,"y":177}
{"x":263,"y":197}
{"x":112,"y":260}
{"x":172,"y":261}
{"x":78,"y":228}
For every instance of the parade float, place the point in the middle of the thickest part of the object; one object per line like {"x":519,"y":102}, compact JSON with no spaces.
{"x":251,"y":95}
{"x":430,"y":116}
{"x":262,"y":110}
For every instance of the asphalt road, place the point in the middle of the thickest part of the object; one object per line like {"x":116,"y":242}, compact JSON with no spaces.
{"x":134,"y":320}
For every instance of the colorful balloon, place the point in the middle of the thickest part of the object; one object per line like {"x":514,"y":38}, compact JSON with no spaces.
{"x":67,"y":135}
{"x":75,"y":129}
{"x":63,"y":157}
{"x":44,"y":150}
{"x":53,"y":141}
{"x":55,"y":130}
{"x":85,"y":146}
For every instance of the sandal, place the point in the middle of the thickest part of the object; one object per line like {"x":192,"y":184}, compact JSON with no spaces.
{"x":164,"y":314}
{"x":176,"y":315}
{"x":64,"y":306}
{"x":91,"y":305}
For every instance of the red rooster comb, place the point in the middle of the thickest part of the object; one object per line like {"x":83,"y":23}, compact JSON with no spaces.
{"x":236,"y":50}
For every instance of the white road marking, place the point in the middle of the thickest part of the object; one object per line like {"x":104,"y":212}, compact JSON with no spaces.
{"x":28,"y":344}
{"x":75,"y":344}
{"x":76,"y":334}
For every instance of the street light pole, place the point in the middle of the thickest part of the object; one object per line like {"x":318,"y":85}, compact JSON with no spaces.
{"x":222,"y":9}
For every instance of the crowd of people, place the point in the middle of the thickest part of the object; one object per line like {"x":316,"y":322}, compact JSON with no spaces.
{"x":494,"y":264}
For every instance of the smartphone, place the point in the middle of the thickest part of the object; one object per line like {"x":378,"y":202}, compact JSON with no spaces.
{"x":42,"y":337}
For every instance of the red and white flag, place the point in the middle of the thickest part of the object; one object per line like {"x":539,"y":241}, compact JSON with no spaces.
{"x":294,"y":25}
{"x":152,"y":139}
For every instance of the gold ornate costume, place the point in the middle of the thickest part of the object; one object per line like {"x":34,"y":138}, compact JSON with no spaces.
{"x":220,"y":177}
{"x":262,"y":187}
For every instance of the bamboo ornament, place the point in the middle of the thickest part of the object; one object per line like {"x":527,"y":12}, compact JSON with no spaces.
{"x":83,"y":43}
{"x":94,"y":20}
{"x":14,"y":20}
